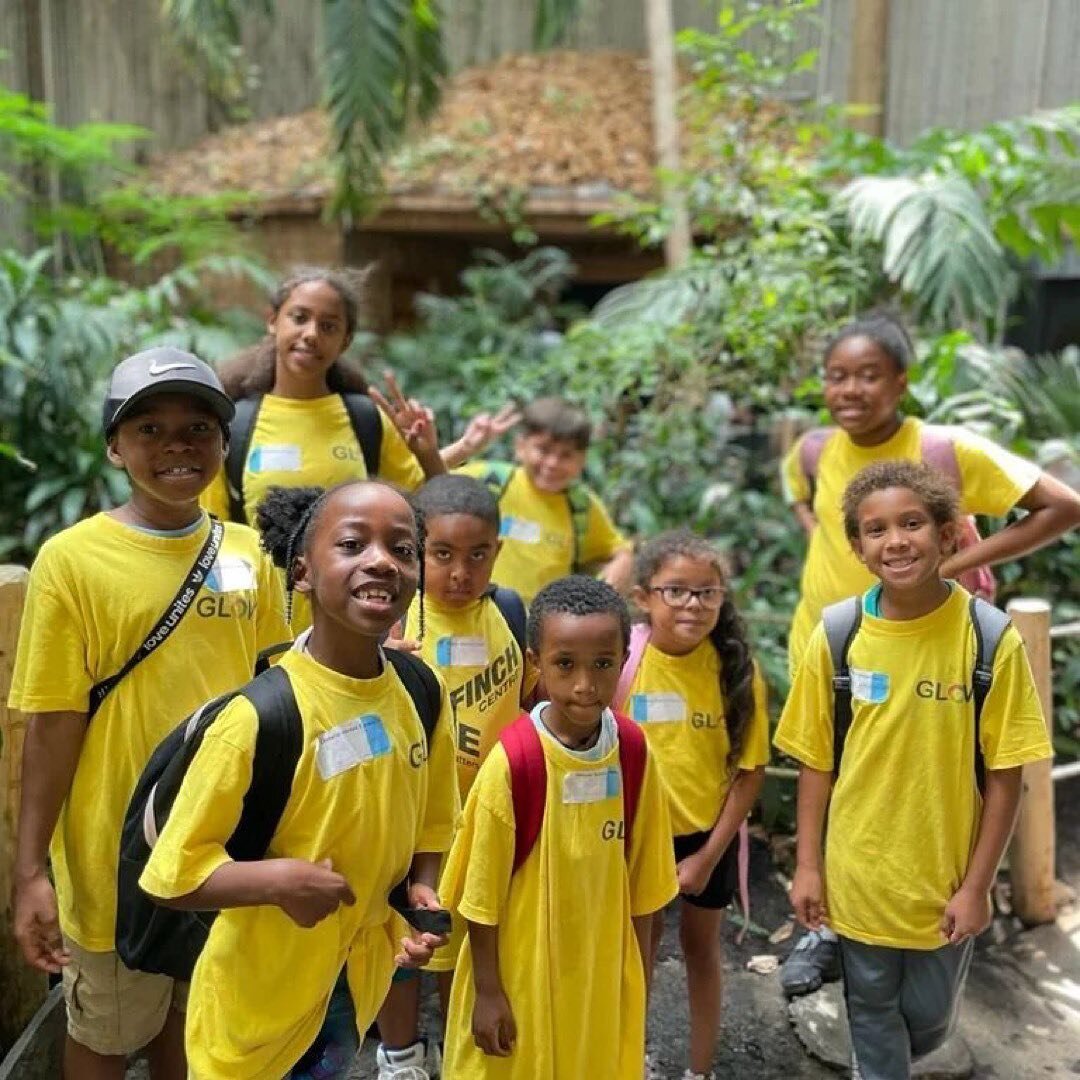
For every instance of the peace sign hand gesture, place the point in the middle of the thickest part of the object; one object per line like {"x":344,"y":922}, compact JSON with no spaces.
{"x":414,"y":420}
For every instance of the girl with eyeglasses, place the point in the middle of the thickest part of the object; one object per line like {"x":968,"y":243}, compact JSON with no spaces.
{"x":700,"y":700}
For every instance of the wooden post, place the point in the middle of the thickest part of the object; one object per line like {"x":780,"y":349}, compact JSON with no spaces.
{"x":661,"y":36}
{"x":868,"y":73}
{"x":1031,"y":856}
{"x":22,"y":989}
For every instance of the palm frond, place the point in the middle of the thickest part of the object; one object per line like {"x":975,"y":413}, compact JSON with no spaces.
{"x":552,"y":20}
{"x":937,"y":243}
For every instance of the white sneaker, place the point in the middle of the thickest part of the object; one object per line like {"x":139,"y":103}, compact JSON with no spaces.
{"x":407,"y":1064}
{"x":688,"y":1075}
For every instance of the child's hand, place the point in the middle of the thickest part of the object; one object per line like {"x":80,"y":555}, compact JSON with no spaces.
{"x":694,"y":872}
{"x":416,"y":952}
{"x":806,"y":896}
{"x":483,"y":429}
{"x":37,"y":924}
{"x":415,"y":421}
{"x":493,"y":1027}
{"x":308,"y":892}
{"x":967,"y":914}
{"x":421,"y":895}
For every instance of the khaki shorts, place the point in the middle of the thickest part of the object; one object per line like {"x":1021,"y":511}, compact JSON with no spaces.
{"x":111,"y":1009}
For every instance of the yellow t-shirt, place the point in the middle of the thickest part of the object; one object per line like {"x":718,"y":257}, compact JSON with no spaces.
{"x":538,"y":534}
{"x":568,"y":956}
{"x":993,"y":481}
{"x":299,"y":442}
{"x":96,"y":590}
{"x":905,"y":810}
{"x":679,"y":704}
{"x":261,"y":984}
{"x":485,"y":673}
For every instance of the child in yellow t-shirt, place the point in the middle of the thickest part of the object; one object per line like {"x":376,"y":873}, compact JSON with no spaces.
{"x":98,"y":593}
{"x":373,"y":800}
{"x":865,"y":379}
{"x":552,"y":525}
{"x":471,"y":642}
{"x":701,"y":703}
{"x":550,"y":982}
{"x":911,"y":853}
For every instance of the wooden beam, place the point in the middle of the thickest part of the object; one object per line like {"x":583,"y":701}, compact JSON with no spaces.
{"x":868,"y":72}
{"x":23,"y":989}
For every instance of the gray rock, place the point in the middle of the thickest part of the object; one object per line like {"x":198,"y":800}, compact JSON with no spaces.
{"x":821,"y":1025}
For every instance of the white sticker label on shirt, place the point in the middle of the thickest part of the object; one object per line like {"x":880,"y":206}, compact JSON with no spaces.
{"x":871,"y":686}
{"x":528,"y":532}
{"x":657,"y":708}
{"x":280,"y":458}
{"x":461,"y":652}
{"x":349,"y":744}
{"x":230,"y":574}
{"x":593,"y":786}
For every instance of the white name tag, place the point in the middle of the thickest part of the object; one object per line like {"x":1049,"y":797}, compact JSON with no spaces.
{"x":528,"y":532}
{"x":461,"y":652}
{"x":282,"y":458}
{"x":871,"y":686}
{"x":593,"y":786}
{"x":662,"y":708}
{"x":230,"y":574}
{"x":349,"y":744}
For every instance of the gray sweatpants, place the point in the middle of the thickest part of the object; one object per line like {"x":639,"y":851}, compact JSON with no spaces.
{"x":901,"y":1003}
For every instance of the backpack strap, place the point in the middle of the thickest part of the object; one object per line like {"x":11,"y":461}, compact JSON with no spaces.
{"x":366,"y":423}
{"x":497,"y":476}
{"x":633,"y":751}
{"x":512,"y":609}
{"x":278,"y":745}
{"x":938,"y":450}
{"x":841,"y":625}
{"x":241,"y":429}
{"x":990,"y":624}
{"x":577,"y":498}
{"x":810,"y":447}
{"x":528,"y":783}
{"x":639,"y":638}
{"x":423,"y":687}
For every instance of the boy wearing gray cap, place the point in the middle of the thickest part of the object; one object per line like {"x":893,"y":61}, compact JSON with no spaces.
{"x":134,"y":617}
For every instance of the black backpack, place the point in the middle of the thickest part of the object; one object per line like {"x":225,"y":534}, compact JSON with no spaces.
{"x":842,"y":622}
{"x":363,"y":416}
{"x":165,"y":941}
{"x":512,"y":608}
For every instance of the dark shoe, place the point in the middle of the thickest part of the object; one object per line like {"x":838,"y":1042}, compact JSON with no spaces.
{"x":814,"y":960}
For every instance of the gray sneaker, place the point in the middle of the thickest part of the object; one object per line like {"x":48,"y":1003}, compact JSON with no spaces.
{"x":814,"y":960}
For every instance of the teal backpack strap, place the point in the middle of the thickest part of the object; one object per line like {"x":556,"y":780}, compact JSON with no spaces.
{"x":497,"y":476}
{"x":367,"y":427}
{"x":580,"y":503}
{"x":241,"y":429}
{"x":990,"y":624}
{"x":841,"y":625}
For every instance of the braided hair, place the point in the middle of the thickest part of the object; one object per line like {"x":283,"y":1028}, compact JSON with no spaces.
{"x":285,"y":518}
{"x":728,"y":636}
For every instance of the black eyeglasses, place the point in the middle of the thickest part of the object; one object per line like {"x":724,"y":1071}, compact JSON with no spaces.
{"x":679,"y":596}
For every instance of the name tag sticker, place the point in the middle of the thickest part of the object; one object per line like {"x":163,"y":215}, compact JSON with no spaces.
{"x":593,"y":786}
{"x":870,"y":686}
{"x":657,"y":708}
{"x":461,"y":652}
{"x":349,"y":744}
{"x":528,"y":532}
{"x":230,"y":574}
{"x":280,"y":458}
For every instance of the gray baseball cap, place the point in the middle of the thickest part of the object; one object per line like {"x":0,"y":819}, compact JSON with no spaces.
{"x":163,"y":370}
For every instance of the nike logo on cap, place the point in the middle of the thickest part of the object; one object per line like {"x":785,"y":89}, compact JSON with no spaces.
{"x":160,"y":369}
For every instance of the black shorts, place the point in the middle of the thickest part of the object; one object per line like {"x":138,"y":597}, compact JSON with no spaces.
{"x":721,"y":887}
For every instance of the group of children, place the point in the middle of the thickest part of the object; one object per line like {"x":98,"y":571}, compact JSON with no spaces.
{"x":568,"y":774}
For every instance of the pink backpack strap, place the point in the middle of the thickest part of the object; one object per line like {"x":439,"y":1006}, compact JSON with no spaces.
{"x":528,"y":783}
{"x":744,"y":879}
{"x":938,"y":450}
{"x":810,"y":447}
{"x":639,"y":638}
{"x":633,"y":751}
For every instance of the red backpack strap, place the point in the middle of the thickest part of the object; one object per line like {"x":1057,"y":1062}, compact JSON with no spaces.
{"x":633,"y":751}
{"x":528,"y":783}
{"x":639,"y":638}
{"x":810,"y":447}
{"x":938,"y":450}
